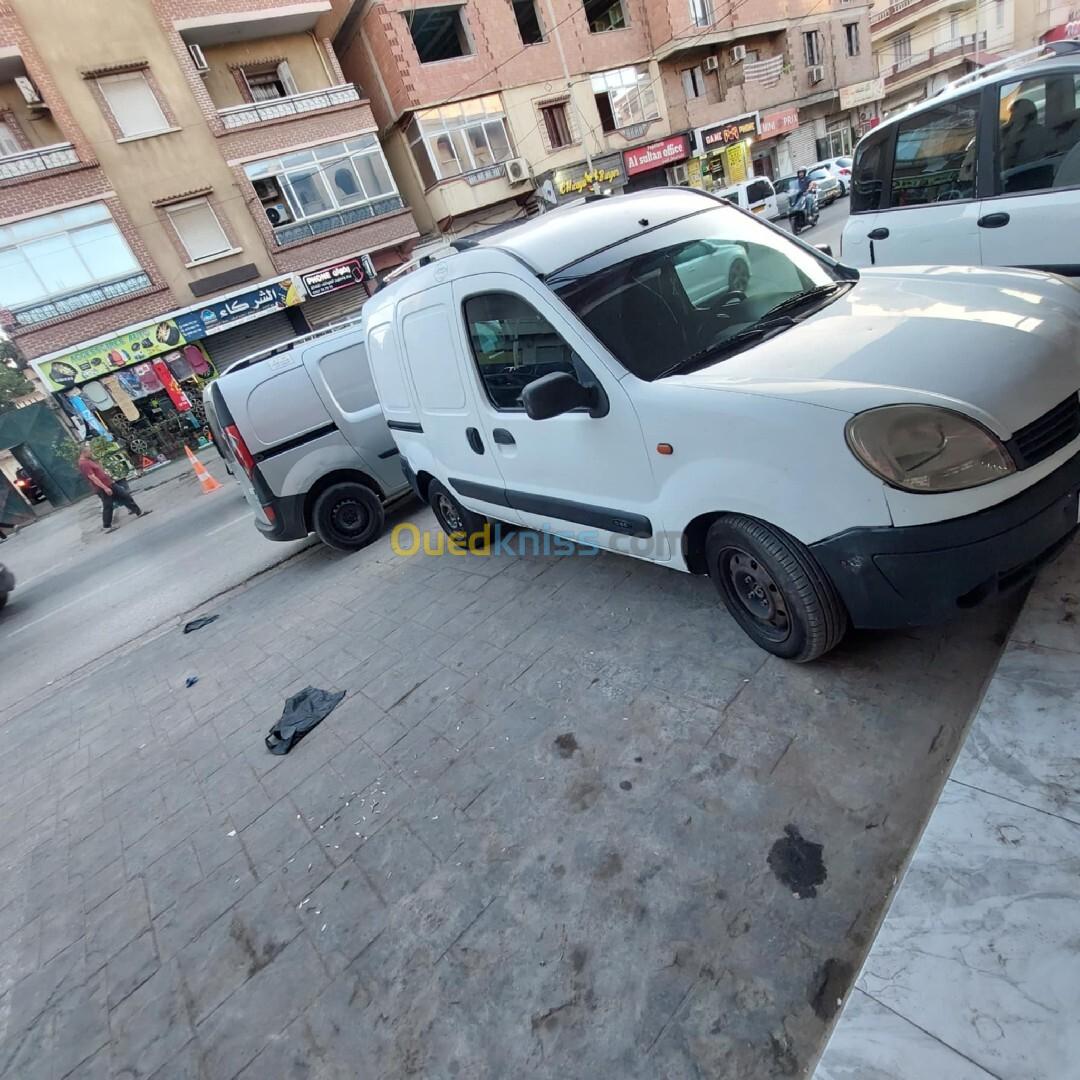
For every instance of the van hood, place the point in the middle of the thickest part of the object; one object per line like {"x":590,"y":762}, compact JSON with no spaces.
{"x":1000,"y":345}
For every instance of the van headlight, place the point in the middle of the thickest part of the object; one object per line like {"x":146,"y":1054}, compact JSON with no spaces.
{"x":926,"y":449}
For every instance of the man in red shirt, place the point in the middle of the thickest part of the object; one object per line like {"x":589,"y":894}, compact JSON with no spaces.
{"x":108,"y":490}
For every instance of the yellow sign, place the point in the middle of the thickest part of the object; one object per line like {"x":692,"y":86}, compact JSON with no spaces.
{"x":693,"y":173}
{"x":586,"y":181}
{"x":735,"y":163}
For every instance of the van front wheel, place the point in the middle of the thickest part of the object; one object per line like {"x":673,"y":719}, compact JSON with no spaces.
{"x":774,"y":589}
{"x":452,"y":516}
{"x":347,"y":516}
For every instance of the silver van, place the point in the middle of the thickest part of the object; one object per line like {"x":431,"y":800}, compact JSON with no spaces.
{"x":301,"y":429}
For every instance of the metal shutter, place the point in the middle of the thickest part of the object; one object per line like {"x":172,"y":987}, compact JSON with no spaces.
{"x":232,"y":345}
{"x":802,"y":144}
{"x":334,"y":307}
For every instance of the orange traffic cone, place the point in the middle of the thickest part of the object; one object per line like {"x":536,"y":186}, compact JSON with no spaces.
{"x":208,"y":482}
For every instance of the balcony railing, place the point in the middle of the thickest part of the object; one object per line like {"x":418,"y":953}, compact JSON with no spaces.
{"x":900,"y":7}
{"x":42,"y":159}
{"x":258,"y":112}
{"x":307,"y":230}
{"x":83,"y":298}
{"x":956,"y":49}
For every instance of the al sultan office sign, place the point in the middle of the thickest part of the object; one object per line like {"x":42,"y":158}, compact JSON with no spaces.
{"x":668,"y":151}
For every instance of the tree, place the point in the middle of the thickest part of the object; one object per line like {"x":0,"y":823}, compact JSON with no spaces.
{"x":13,"y":384}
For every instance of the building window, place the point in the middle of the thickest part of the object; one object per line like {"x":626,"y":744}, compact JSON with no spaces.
{"x":528,"y":22}
{"x":693,"y":82}
{"x":132,"y":102}
{"x":557,"y":125}
{"x":271,"y":82}
{"x":459,"y":138}
{"x":439,"y":34}
{"x":9,"y":140}
{"x":198,"y":228}
{"x":902,"y":48}
{"x":624,"y":96}
{"x":327,"y":179}
{"x":851,"y":38}
{"x":999,"y":14}
{"x":55,"y":254}
{"x":701,"y":13}
{"x":812,"y":47}
{"x":604,"y":15}
{"x":954,"y":29}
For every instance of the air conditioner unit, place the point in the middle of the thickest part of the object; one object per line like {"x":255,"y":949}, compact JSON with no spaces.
{"x":679,"y":175}
{"x":517,"y":170}
{"x":738,"y":53}
{"x":816,"y":73}
{"x":278,"y":214}
{"x":711,"y":63}
{"x":198,"y":58}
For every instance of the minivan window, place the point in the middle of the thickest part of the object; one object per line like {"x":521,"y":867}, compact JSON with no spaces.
{"x":867,"y":182}
{"x":513,"y":344}
{"x":935,"y":154}
{"x":661,"y":298}
{"x":1039,"y":134}
{"x":758,"y":190}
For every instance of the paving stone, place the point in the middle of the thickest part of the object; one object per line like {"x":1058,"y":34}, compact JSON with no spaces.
{"x":227,"y":784}
{"x":130,"y":968}
{"x":252,"y":804}
{"x":395,"y":862}
{"x":270,"y":839}
{"x":304,"y":872}
{"x":170,"y":876}
{"x":396,"y":683}
{"x":320,"y":796}
{"x":19,"y":954}
{"x":151,"y":1026}
{"x":115,"y":921}
{"x":343,"y":915}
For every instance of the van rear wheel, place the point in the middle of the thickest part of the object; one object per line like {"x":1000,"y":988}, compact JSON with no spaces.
{"x":774,"y":589}
{"x":452,"y":516}
{"x":347,"y":516}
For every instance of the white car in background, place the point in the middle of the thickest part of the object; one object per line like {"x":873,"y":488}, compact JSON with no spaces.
{"x":839,"y":168}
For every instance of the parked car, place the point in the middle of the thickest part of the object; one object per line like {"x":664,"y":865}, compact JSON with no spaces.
{"x":709,"y":268}
{"x":302,"y":430}
{"x":811,"y":444}
{"x":839,"y":168}
{"x":7,"y":584}
{"x":917,"y":196}
{"x":756,"y":195}
{"x":826,"y":187}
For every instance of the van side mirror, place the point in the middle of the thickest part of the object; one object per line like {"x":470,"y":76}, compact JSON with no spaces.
{"x":558,"y":393}
{"x":825,"y":249}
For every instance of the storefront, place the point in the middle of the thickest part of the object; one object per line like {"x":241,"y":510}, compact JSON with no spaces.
{"x":769,"y":151}
{"x":335,"y":293}
{"x":652,"y":165}
{"x":863,"y":102}
{"x":725,"y":151}
{"x":606,"y":176}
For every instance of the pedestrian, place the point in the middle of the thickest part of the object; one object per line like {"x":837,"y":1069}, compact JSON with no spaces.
{"x":108,"y":490}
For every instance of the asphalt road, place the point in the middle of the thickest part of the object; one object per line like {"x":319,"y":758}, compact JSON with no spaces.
{"x":829,"y":227}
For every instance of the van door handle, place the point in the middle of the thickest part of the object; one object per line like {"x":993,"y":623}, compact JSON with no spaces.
{"x":993,"y":221}
{"x":474,"y":440}
{"x":502,"y":436}
{"x":878,"y":234}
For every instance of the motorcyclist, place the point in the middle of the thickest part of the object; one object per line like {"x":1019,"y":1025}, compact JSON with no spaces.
{"x":805,"y":199}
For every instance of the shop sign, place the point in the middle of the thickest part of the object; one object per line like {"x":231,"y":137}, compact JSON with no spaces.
{"x":730,"y":131}
{"x":332,"y":278}
{"x":482,"y":176}
{"x":664,"y":152}
{"x":87,"y":364}
{"x":243,"y":307}
{"x":863,"y":93}
{"x":693,"y":173}
{"x":579,"y":179}
{"x":779,"y":122}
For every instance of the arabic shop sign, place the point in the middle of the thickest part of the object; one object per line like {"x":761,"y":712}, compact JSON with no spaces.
{"x":84,"y":365}
{"x":221,"y":315}
{"x":863,"y":93}
{"x":730,"y":131}
{"x":664,"y":152}
{"x":332,"y":278}
{"x":579,"y":180}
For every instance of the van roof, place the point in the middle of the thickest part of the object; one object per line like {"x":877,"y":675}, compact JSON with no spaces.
{"x":569,"y":233}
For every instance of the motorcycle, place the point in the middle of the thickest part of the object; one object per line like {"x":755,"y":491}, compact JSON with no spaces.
{"x":29,"y":487}
{"x":804,"y":211}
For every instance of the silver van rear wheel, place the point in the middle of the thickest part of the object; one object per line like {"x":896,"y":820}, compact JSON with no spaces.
{"x":347,"y":516}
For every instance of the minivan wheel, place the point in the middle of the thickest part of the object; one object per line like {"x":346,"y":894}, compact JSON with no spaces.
{"x":774,"y":589}
{"x":451,"y":515}
{"x":347,"y":516}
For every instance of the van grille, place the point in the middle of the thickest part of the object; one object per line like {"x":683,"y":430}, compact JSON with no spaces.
{"x":1049,"y":433}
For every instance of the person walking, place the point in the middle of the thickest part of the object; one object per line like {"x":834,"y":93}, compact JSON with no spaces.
{"x":110,"y":491}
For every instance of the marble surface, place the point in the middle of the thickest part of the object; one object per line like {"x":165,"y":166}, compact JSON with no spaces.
{"x":874,"y":1043}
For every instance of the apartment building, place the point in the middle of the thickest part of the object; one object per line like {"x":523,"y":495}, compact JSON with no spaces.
{"x":922,"y":45}
{"x":1042,"y":21}
{"x":181,"y":182}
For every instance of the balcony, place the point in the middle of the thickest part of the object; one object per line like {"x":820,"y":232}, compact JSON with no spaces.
{"x":259,"y":112}
{"x":41,"y":160}
{"x":308,"y":230}
{"x":940,"y":56}
{"x":73,"y":302}
{"x":908,"y":11}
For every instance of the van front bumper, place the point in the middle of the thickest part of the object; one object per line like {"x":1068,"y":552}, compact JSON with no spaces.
{"x":894,"y":577}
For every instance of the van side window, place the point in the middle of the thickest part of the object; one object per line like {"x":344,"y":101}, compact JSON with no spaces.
{"x":1039,"y":134}
{"x":935,"y":155}
{"x":514,"y":344}
{"x":757,"y":191}
{"x":867,"y":182}
{"x":348,"y":378}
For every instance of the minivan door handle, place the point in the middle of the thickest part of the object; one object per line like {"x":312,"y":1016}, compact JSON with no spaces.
{"x":474,"y":440}
{"x":502,"y":436}
{"x":878,"y":234}
{"x":993,"y":221}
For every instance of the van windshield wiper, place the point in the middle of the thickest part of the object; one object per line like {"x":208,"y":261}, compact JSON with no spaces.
{"x":807,"y":296}
{"x":762,"y":330}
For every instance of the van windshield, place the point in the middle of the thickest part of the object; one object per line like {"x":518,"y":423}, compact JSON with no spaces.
{"x":673,"y":296}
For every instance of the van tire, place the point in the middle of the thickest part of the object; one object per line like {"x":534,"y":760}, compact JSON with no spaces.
{"x":451,"y":515}
{"x":799,"y":614}
{"x":347,"y":516}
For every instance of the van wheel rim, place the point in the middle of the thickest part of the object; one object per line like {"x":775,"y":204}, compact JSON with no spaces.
{"x":349,"y":518}
{"x":449,"y":513}
{"x":758,"y":595}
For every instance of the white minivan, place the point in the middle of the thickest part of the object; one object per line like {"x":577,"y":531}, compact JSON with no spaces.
{"x":882,"y":448}
{"x":986,"y":173}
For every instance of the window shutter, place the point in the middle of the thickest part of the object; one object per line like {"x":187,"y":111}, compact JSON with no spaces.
{"x":133,"y":103}
{"x":199,"y":230}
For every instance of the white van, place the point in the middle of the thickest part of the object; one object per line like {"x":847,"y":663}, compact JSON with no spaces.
{"x":756,"y":195}
{"x":885,"y":448}
{"x":986,"y":173}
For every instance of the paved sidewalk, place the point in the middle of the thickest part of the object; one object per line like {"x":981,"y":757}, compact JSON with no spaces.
{"x":564,"y":824}
{"x":975,"y":972}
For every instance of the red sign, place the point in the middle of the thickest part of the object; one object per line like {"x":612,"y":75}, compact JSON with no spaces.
{"x":172,"y":387}
{"x":665,"y":152}
{"x":776,"y":123}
